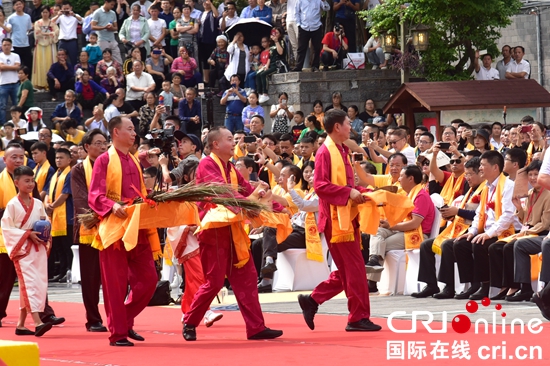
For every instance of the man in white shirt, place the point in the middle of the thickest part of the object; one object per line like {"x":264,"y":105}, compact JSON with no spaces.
{"x":485,"y":72}
{"x":68,"y":21}
{"x":397,"y":142}
{"x":104,"y":23}
{"x":18,"y":24}
{"x":137,"y":84}
{"x":496,"y":131}
{"x":229,"y":16}
{"x":9,"y":79}
{"x":308,"y":19}
{"x":502,"y":65}
{"x":157,"y":27}
{"x":519,"y":68}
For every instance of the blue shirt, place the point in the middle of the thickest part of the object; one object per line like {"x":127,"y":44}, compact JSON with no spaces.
{"x":167,"y":18}
{"x":58,"y":72}
{"x":247,"y":12}
{"x":308,"y":14}
{"x":234,"y":104}
{"x":61,"y":111}
{"x":186,"y":113}
{"x":345,"y":12}
{"x":20,"y":24}
{"x":265,"y":14}
{"x":78,"y":87}
{"x":94,"y":53}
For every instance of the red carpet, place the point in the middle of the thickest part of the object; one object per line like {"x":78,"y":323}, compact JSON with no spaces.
{"x":225,"y":343}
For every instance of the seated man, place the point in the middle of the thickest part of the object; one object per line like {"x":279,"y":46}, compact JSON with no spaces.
{"x":449,"y":185}
{"x":418,"y":225}
{"x":335,"y":46}
{"x":88,"y":92}
{"x":65,"y":111}
{"x":61,"y":75}
{"x":397,"y":162}
{"x":462,"y":217}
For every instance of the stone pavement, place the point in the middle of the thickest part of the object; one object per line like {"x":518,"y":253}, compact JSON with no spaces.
{"x":381,"y":306}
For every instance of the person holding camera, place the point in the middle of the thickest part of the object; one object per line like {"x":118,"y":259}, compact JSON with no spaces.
{"x":234,"y":99}
{"x":345,"y":17}
{"x":68,"y":21}
{"x":229,"y":16}
{"x":335,"y":47}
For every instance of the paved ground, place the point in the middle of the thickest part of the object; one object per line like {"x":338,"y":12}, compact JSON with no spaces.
{"x":381,"y":306}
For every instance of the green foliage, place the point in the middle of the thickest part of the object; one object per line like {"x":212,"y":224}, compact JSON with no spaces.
{"x":458,"y":28}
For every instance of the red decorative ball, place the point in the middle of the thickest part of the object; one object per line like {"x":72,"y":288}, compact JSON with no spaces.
{"x":498,"y":306}
{"x":461,"y":323}
{"x":471,"y":306}
{"x":485,"y":301}
{"x":503,"y":315}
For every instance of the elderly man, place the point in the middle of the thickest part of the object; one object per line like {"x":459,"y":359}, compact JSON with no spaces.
{"x":137,"y":84}
{"x":66,"y":110}
{"x":257,"y":124}
{"x":61,"y":75}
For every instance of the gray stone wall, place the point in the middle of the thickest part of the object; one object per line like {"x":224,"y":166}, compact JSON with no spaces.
{"x":522,"y":32}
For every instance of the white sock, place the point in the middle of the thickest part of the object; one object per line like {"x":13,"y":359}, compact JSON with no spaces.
{"x":268,"y":260}
{"x":266,"y":281}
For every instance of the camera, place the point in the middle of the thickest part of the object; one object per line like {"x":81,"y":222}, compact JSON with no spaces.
{"x":163,"y":139}
{"x":337,"y":27}
{"x":357,"y":157}
{"x":225,"y":8}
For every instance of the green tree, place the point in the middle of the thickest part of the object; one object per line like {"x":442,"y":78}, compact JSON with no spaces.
{"x":458,"y":28}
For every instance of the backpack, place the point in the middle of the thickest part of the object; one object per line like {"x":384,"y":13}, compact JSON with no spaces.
{"x":162,"y":294}
{"x":87,"y":25}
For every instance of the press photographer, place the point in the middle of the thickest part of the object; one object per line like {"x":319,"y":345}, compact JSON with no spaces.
{"x":335,"y":47}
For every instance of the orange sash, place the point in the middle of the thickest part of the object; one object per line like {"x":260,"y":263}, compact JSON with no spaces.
{"x":497,"y":198}
{"x":59,"y":215}
{"x":40,"y":175}
{"x":413,"y":238}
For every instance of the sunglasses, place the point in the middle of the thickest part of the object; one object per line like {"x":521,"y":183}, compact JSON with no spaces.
{"x":455,"y":161}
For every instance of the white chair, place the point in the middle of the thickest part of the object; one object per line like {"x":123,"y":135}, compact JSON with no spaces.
{"x":75,"y":269}
{"x":297,"y":273}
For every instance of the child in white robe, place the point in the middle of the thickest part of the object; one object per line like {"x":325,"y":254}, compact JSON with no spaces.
{"x":27,"y":251}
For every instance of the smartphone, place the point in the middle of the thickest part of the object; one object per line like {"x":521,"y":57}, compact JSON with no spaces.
{"x":444,"y":145}
{"x":444,"y":207}
{"x":225,"y":8}
{"x":357,"y":157}
{"x":283,"y":102}
{"x":234,"y":86}
{"x":474,"y":133}
{"x":157,"y":52}
{"x":249,"y":139}
{"x":526,"y":129}
{"x":21,"y":131}
{"x":371,"y":135}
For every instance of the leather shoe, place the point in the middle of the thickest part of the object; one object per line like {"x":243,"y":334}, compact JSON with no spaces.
{"x":482,"y":293}
{"x":41,"y":329}
{"x":62,"y":279}
{"x":189,"y":333}
{"x":269,"y":268}
{"x":23,"y":332}
{"x":267,"y":334}
{"x":427,"y":291}
{"x":53,"y":320}
{"x":121,"y":343}
{"x":265,"y":289}
{"x":501,"y":295}
{"x":96,"y":327}
{"x":363,"y":325}
{"x":520,"y":296}
{"x":136,"y":337}
{"x":466,"y":294}
{"x":447,"y":293}
{"x":544,"y":309}
{"x":54,"y":279}
{"x":309,"y":309}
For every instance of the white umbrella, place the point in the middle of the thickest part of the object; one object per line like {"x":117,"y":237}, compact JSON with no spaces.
{"x":33,"y":135}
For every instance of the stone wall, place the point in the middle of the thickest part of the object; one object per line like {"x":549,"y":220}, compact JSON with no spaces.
{"x":522,"y":32}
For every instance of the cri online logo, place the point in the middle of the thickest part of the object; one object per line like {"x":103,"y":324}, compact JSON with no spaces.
{"x":461,"y":323}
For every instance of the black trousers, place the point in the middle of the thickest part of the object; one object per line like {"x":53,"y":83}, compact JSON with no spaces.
{"x":7,"y":279}
{"x":328,"y":59}
{"x":349,"y":28}
{"x":66,"y":85}
{"x":501,"y":257}
{"x":90,"y":277}
{"x":61,"y":246}
{"x":427,"y":271}
{"x":304,"y":37}
{"x":473,"y":259}
{"x":296,"y":239}
{"x":25,"y":54}
{"x":136,"y":104}
{"x":90,"y":104}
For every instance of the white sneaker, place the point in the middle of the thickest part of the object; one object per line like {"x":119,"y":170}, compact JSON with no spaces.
{"x":176,"y":282}
{"x":247,"y":91}
{"x":263,"y":99}
{"x":211,"y":317}
{"x":374,"y":67}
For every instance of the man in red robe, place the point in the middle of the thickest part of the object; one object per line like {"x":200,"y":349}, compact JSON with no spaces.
{"x":95,"y":143}
{"x":120,"y":267}
{"x":218,"y":251}
{"x":351,"y":275}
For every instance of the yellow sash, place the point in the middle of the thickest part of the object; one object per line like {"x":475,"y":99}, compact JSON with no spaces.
{"x":342,"y":216}
{"x":59,"y":215}
{"x":314,"y":247}
{"x":530,"y":151}
{"x":114,"y":192}
{"x":459,"y":225}
{"x":7,"y":192}
{"x":449,"y":190}
{"x":414,"y":237}
{"x":301,"y":162}
{"x":87,"y":236}
{"x":238,"y":232}
{"x":497,"y":198}
{"x":470,"y":147}
{"x":40,"y":175}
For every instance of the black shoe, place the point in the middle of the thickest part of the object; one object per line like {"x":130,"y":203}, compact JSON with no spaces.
{"x":265,"y":289}
{"x":469,"y":292}
{"x":501,"y":295}
{"x":136,"y":337}
{"x":520,"y":296}
{"x":269,"y":268}
{"x":482,"y":293}
{"x":41,"y":329}
{"x":189,"y":333}
{"x":363,"y":325}
{"x":373,"y":288}
{"x":267,"y":334}
{"x":447,"y":293}
{"x":96,"y":327}
{"x":295,"y":70}
{"x":309,"y":309}
{"x":373,"y":264}
{"x":53,"y":320}
{"x":23,"y":332}
{"x":121,"y":343}
{"x":544,"y":309}
{"x":314,"y":69}
{"x":62,"y":279}
{"x":54,"y":279}
{"x":427,"y":291}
